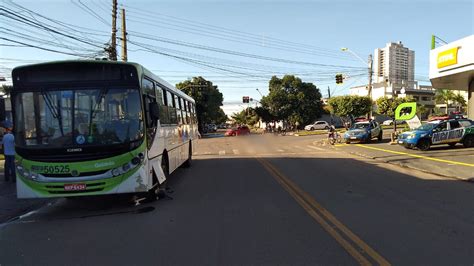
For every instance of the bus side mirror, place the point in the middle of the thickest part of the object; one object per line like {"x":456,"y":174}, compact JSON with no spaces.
{"x":154,"y":111}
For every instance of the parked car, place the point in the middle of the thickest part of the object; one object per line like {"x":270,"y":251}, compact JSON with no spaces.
{"x":211,"y":128}
{"x":317,"y":125}
{"x":238,"y":131}
{"x":390,"y":122}
{"x":364,"y":132}
{"x":437,"y":132}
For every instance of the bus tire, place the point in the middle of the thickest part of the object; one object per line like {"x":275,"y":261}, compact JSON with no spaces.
{"x":468,"y":141}
{"x":155,"y":192}
{"x":189,"y":161}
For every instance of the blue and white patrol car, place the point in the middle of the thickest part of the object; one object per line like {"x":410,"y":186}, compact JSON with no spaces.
{"x":449,"y":132}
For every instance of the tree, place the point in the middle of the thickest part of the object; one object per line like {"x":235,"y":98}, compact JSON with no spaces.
{"x":460,"y":101}
{"x":6,"y":88}
{"x":350,"y":105}
{"x":292,"y":100}
{"x":386,"y":106}
{"x":247,"y":116}
{"x":208,"y":100}
{"x":221,"y":117}
{"x":443,"y":97}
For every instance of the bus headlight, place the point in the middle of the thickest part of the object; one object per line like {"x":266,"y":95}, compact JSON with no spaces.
{"x":33,"y":175}
{"x":116,"y":172}
{"x":126,"y":167}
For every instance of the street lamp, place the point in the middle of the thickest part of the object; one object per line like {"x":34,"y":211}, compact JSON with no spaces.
{"x":259,"y":92}
{"x":369,"y":65}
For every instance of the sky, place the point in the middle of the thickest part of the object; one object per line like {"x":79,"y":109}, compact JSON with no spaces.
{"x":240,"y":45}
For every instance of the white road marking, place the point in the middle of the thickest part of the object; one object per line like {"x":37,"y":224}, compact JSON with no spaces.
{"x":221,"y":152}
{"x":235,"y":151}
{"x":280,"y":150}
{"x":316,"y":148}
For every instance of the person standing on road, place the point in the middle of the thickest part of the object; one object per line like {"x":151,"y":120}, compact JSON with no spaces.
{"x":9,"y":152}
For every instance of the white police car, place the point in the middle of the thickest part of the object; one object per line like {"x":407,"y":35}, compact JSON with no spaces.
{"x":439,"y":132}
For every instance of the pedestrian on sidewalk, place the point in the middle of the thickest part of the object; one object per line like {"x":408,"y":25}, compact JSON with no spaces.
{"x":9,"y":152}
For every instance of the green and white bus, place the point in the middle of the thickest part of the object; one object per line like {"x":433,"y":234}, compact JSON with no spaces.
{"x":98,"y":127}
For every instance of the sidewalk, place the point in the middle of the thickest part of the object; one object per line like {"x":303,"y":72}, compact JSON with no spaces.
{"x":10,"y":206}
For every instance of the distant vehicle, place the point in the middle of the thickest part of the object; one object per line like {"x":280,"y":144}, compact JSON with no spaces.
{"x":390,"y":122}
{"x":238,"y":131}
{"x":437,"y":132}
{"x":317,"y":125}
{"x":211,"y":128}
{"x":222,"y":126}
{"x":364,"y":132}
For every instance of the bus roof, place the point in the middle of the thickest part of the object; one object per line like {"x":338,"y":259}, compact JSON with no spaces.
{"x":142,"y":71}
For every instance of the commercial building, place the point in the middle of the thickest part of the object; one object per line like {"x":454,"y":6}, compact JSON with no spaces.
{"x":452,"y":67}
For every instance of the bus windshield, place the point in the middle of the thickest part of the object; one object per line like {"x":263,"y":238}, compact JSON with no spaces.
{"x":79,"y":117}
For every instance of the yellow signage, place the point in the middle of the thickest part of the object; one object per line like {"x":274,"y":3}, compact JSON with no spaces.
{"x":448,"y":57}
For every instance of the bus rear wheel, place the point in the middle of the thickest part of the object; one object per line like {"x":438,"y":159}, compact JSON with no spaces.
{"x":189,"y":161}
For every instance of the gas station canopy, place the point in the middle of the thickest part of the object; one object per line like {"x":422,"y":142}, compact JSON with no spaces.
{"x":452,"y":67}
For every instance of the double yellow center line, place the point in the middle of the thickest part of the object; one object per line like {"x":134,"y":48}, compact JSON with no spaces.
{"x":357,"y":248}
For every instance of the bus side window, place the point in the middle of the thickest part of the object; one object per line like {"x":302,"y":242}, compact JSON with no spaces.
{"x":164,"y":112}
{"x":178,"y":110}
{"x":193,"y":113}
{"x":185,"y":112}
{"x":171,"y":108}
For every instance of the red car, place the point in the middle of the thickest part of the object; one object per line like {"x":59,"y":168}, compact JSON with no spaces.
{"x":236,"y":131}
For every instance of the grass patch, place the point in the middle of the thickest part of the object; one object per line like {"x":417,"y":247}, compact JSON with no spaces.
{"x":317,"y":132}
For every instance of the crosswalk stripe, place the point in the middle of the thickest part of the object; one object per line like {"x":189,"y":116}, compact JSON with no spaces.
{"x":316,"y":148}
{"x":235,"y":151}
{"x":221,"y":152}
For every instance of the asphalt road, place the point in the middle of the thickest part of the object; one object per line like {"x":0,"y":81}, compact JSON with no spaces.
{"x":260,"y":200}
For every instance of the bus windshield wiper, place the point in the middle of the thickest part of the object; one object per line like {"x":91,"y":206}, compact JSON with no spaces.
{"x":56,"y":112}
{"x":94,"y":110}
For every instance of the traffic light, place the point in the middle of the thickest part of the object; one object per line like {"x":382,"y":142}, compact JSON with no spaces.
{"x":245,"y":99}
{"x":339,"y":79}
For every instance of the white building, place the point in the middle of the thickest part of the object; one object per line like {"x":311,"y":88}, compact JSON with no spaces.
{"x":420,"y":93}
{"x":452,"y":67}
{"x":394,"y":64}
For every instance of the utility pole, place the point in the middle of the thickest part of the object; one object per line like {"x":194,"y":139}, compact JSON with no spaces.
{"x":113,"y":42}
{"x":124,"y":37}
{"x":329,"y":93}
{"x":370,"y":84}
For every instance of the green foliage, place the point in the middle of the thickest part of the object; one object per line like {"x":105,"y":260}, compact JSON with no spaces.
{"x":6,"y":89}
{"x":291,"y":99}
{"x":350,"y":105}
{"x":247,"y":116}
{"x":264,"y":114}
{"x":444,"y":96}
{"x":460,"y":101}
{"x":386,"y":106}
{"x":208,"y":100}
{"x":221,"y":117}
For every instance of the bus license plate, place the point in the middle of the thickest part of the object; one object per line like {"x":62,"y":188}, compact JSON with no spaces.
{"x":74,"y":187}
{"x":353,"y":138}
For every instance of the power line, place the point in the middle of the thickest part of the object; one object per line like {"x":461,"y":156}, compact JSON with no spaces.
{"x":91,"y":12}
{"x":227,"y":31}
{"x":41,"y":48}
